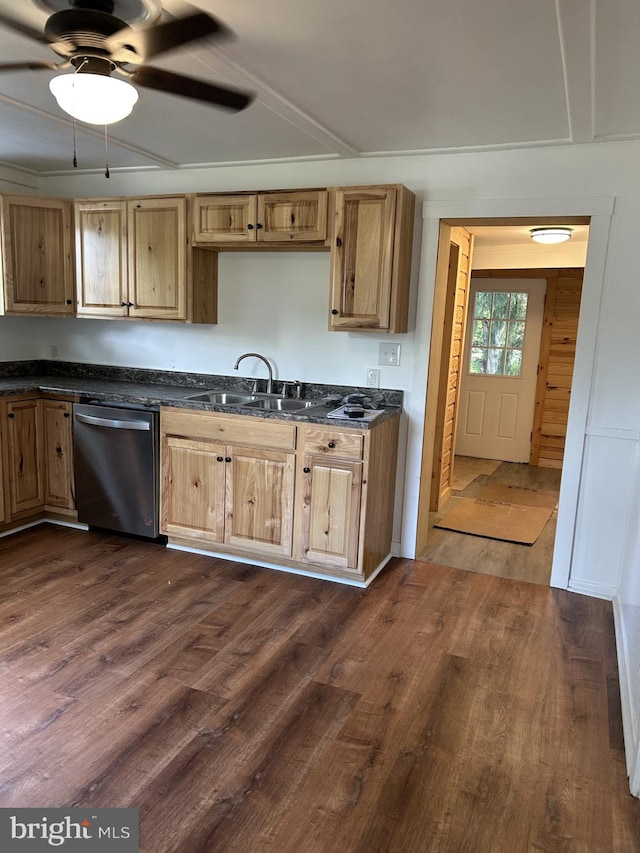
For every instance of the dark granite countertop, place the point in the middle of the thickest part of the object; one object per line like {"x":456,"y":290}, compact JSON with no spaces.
{"x":167,"y":388}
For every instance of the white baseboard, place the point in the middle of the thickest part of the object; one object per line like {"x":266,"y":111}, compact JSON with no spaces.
{"x":595,"y":590}
{"x":630,"y":715}
{"x":289,"y":569}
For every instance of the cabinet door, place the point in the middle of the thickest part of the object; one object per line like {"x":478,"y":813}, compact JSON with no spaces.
{"x":59,"y":486}
{"x":330,"y":505}
{"x":38,"y":276}
{"x":24,"y":445}
{"x":362,"y":258}
{"x":259,"y":500}
{"x":193,"y":484}
{"x":157,"y":250}
{"x":101,"y":258}
{"x":225,"y":219}
{"x":292,"y":217}
{"x":3,"y":489}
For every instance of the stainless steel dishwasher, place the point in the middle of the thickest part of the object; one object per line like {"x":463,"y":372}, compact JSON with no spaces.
{"x":116,"y":467}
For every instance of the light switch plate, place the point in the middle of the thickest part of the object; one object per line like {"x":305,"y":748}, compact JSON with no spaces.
{"x":389,"y":354}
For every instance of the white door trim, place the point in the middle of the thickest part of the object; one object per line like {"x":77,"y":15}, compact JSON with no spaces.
{"x":600,"y":209}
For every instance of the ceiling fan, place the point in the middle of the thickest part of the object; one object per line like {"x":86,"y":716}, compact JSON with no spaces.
{"x":92,"y":40}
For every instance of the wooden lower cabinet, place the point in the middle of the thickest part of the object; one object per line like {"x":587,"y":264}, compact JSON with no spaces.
{"x":3,"y":505}
{"x":330,"y":506}
{"x":302,"y":496}
{"x":36,"y":450}
{"x":25,"y":461}
{"x":59,"y":483}
{"x":227,"y":493}
{"x":259,"y":500}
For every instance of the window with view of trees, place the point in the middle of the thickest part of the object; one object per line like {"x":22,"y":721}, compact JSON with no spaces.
{"x":498,"y":333}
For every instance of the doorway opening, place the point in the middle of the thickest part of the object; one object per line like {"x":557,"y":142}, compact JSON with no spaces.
{"x":504,"y":328}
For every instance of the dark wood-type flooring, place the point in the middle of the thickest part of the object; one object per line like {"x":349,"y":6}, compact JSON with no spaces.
{"x":243,"y":709}
{"x":530,"y":563}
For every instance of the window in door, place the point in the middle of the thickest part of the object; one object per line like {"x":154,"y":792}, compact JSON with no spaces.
{"x":498,"y":333}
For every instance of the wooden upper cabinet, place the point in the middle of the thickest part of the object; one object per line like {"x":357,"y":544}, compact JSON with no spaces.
{"x":292,"y":217}
{"x":371,"y":258}
{"x":225,"y":219}
{"x":36,"y":244}
{"x":133,"y":260}
{"x":157,"y":252}
{"x":101,"y":258}
{"x":274,"y":217}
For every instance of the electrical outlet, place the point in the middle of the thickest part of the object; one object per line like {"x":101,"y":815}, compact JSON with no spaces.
{"x":389,"y":354}
{"x":54,"y":353}
{"x":373,"y":377}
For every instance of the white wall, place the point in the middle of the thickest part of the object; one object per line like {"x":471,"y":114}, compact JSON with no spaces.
{"x":605,"y":558}
{"x":22,"y":338}
{"x":302,"y":348}
{"x":273,"y":303}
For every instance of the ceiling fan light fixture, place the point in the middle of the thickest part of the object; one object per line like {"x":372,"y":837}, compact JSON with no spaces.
{"x":551,"y":235}
{"x":94,"y":98}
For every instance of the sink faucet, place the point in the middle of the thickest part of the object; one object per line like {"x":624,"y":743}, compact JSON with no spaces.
{"x":262,"y":358}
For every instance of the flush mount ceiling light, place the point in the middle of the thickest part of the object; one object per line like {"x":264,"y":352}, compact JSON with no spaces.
{"x":551,"y":235}
{"x":94,"y":98}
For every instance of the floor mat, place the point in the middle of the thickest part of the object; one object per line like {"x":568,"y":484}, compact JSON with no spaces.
{"x":493,"y":520}
{"x":502,"y":493}
{"x":467,"y":468}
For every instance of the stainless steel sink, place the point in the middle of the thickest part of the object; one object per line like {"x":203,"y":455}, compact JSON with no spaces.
{"x":279,"y":404}
{"x":222,"y":398}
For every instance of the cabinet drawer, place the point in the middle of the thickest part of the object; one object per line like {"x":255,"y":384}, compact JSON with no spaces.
{"x":345,"y":445}
{"x":255,"y":432}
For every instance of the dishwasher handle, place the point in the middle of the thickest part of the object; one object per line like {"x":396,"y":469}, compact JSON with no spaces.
{"x":111,"y":423}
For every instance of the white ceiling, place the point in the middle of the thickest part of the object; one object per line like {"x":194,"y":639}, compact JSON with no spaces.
{"x":353,"y":78}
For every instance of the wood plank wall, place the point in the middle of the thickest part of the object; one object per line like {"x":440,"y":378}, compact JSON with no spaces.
{"x":555,"y":371}
{"x":453,"y":346}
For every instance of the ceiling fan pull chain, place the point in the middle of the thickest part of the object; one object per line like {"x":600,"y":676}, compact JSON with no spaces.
{"x":75,"y":150}
{"x":106,"y":154}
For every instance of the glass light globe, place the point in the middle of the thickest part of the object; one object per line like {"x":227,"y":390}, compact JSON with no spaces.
{"x":94,"y":98}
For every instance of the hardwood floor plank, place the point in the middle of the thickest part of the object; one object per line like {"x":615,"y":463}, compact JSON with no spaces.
{"x":248,"y":710}
{"x":531,"y":563}
{"x":245,"y":816}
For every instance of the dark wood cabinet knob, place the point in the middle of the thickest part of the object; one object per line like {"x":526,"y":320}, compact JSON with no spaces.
{"x":307,"y":470}
{"x":331,"y":444}
{"x":250,"y":227}
{"x":66,"y":415}
{"x":11,"y":415}
{"x":228,"y":459}
{"x":334,"y":311}
{"x":220,"y":459}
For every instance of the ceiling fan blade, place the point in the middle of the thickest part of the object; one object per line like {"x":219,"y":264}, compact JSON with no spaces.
{"x":134,"y":46}
{"x":24,"y":29}
{"x":190,"y":87}
{"x":26,"y":66}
